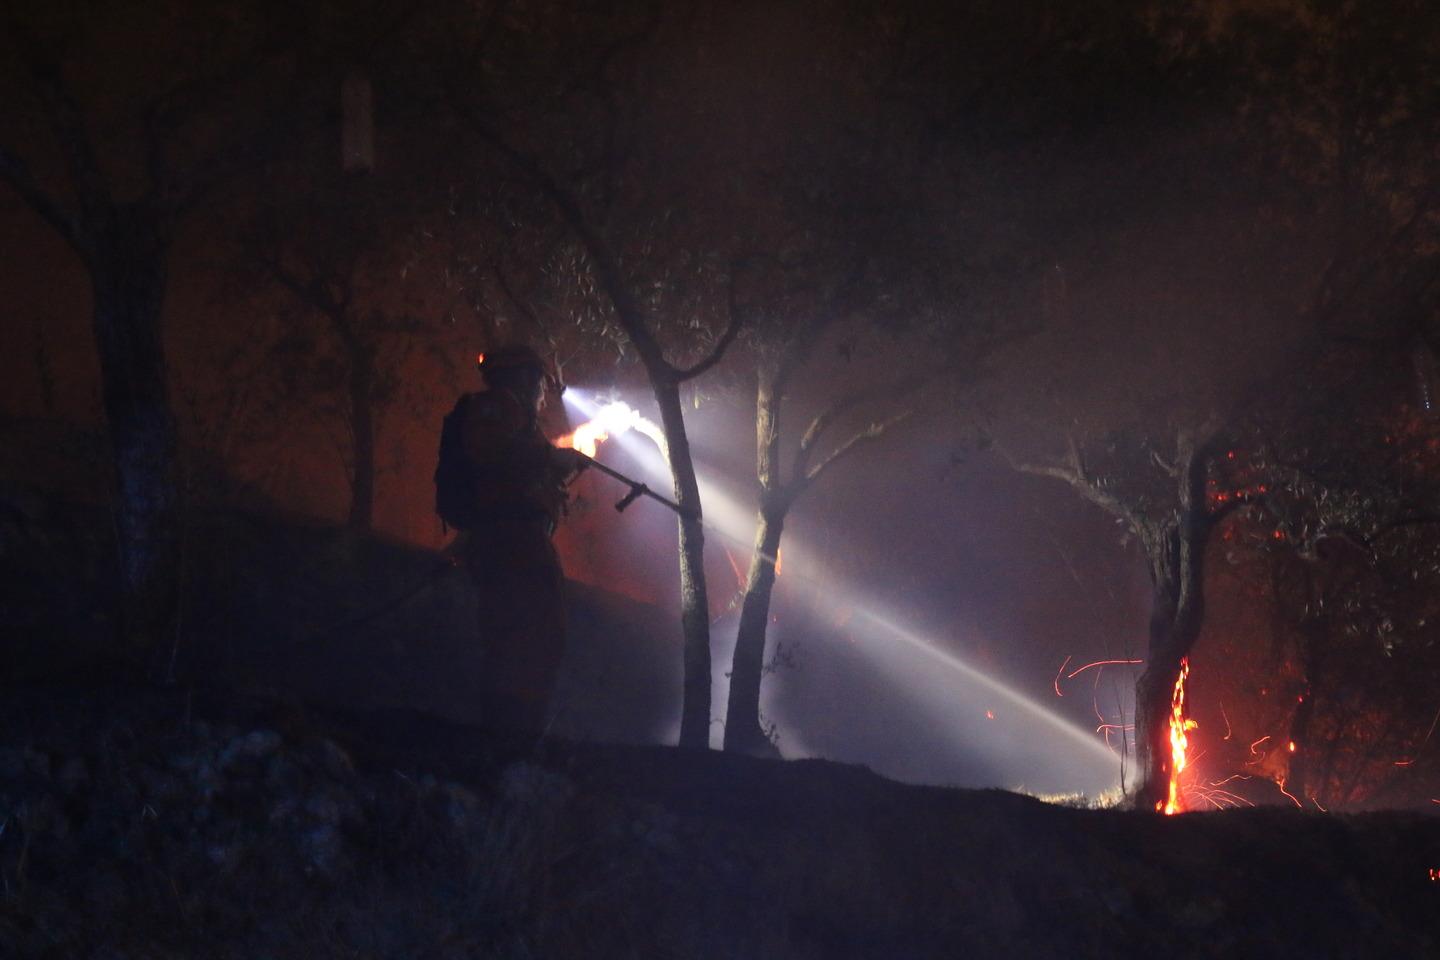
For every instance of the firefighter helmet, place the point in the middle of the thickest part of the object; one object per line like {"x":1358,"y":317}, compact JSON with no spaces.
{"x":511,"y":359}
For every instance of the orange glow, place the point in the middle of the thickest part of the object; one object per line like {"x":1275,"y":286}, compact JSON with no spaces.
{"x":1290,"y":746}
{"x":586,"y":438}
{"x":1293,"y":799}
{"x":613,"y":419}
{"x":1179,"y":742}
{"x":779,"y":560}
{"x":479,"y":359}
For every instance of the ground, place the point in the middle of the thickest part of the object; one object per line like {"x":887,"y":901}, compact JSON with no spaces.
{"x":181,"y":822}
{"x":301,"y":804}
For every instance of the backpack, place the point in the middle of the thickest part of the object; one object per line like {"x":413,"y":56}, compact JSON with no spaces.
{"x":454,"y":478}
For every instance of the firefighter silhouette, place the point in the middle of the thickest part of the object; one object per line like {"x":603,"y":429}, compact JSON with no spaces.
{"x":503,"y":485}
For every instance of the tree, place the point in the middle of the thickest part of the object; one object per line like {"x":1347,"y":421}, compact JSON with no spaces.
{"x":339,"y":251}
{"x":850,"y":286}
{"x":1347,"y":525}
{"x":1349,"y":206}
{"x":130,"y":172}
{"x":582,"y":111}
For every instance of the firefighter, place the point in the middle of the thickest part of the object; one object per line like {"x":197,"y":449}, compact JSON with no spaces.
{"x":503,"y":484}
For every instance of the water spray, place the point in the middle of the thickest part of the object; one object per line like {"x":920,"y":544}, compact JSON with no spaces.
{"x":617,"y":419}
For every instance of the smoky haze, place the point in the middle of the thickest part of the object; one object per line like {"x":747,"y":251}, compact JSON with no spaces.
{"x":1042,"y":239}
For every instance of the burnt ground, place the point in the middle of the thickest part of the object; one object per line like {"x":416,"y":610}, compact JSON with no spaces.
{"x":177,"y":822}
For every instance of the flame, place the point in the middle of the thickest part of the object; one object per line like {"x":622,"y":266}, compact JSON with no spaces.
{"x":586,"y":438}
{"x":1179,"y":742}
{"x":612,"y":419}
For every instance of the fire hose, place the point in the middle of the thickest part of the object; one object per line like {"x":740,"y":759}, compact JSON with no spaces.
{"x":637,"y":490}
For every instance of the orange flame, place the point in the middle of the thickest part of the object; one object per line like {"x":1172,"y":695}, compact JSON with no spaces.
{"x":614,"y":418}
{"x":1179,"y":742}
{"x":586,"y":438}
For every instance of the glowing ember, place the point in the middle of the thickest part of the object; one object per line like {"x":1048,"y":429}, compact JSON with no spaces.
{"x":1098,"y":663}
{"x":1179,"y":742}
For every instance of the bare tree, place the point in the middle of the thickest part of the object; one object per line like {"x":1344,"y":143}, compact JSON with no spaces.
{"x":128,"y":179}
{"x":590,"y":138}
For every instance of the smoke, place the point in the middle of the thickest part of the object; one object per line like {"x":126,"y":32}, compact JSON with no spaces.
{"x":864,"y":682}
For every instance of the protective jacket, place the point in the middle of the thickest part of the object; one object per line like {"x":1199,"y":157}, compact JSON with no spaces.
{"x":519,"y":494}
{"x":511,"y":463}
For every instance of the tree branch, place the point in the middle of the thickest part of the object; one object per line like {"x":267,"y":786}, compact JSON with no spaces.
{"x":732,"y":330}
{"x":874,"y":431}
{"x":1073,"y":473}
{"x":67,"y":125}
{"x":312,"y":293}
{"x":606,"y":266}
{"x":897,"y":389}
{"x":17,"y":174}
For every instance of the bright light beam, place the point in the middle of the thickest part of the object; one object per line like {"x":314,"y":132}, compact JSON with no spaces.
{"x":727,"y":517}
{"x":924,"y":646}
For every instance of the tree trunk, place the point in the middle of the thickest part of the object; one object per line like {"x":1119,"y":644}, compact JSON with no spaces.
{"x":1177,"y":565}
{"x":362,"y":449}
{"x":1315,"y":632}
{"x":1153,"y":695}
{"x":694,"y":600}
{"x":128,"y":274}
{"x":743,"y":733}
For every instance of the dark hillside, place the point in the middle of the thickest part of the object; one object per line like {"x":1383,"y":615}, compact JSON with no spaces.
{"x":288,"y":797}
{"x":181,"y":824}
{"x":292,"y":608}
